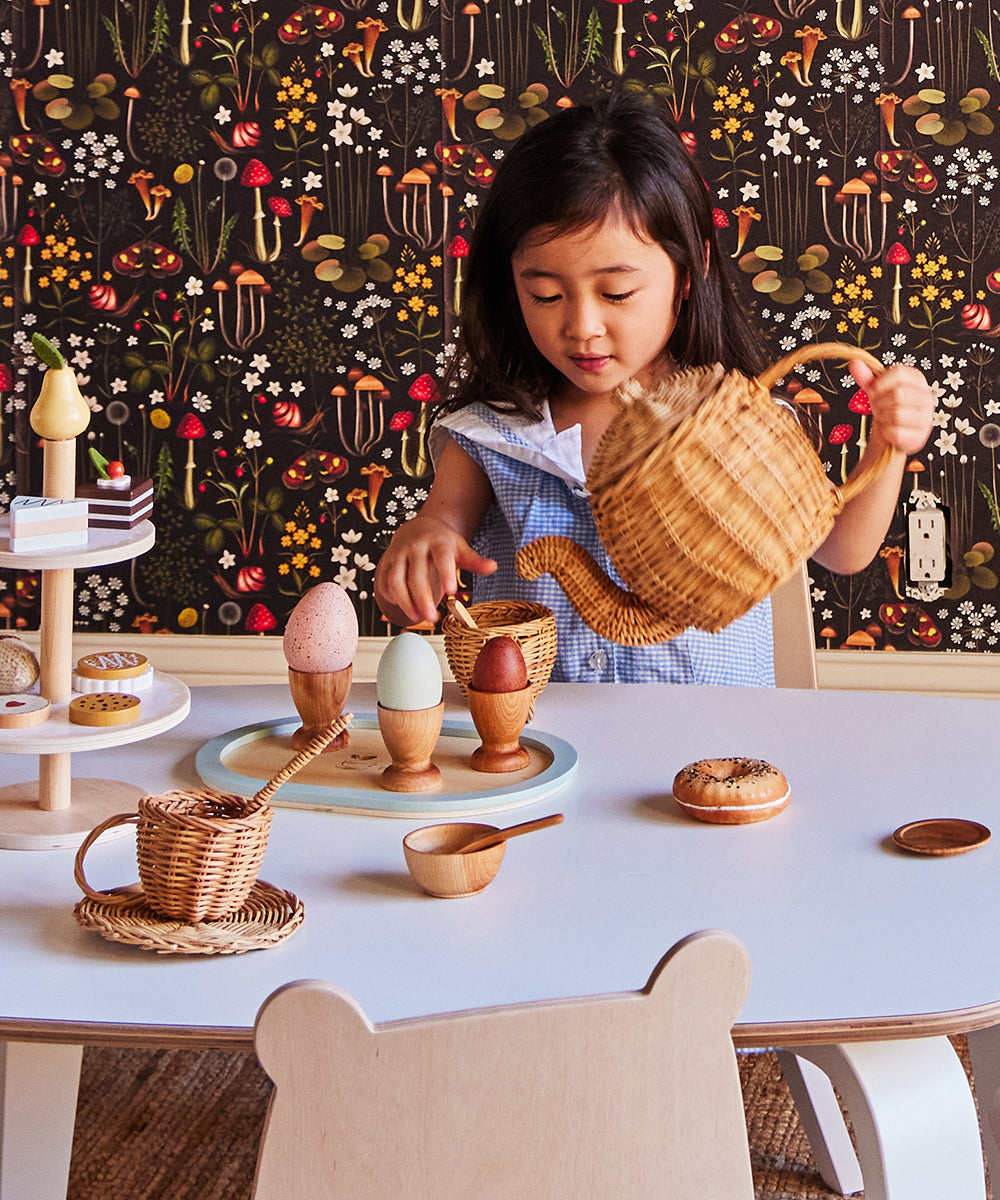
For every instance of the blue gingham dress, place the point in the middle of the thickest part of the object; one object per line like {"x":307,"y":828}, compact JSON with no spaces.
{"x":539,"y":488}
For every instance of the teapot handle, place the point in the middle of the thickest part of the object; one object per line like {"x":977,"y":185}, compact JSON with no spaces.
{"x":839,"y":350}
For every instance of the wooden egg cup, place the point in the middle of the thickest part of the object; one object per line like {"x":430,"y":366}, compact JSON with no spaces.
{"x":410,"y":738}
{"x":319,"y":697}
{"x":499,"y":718}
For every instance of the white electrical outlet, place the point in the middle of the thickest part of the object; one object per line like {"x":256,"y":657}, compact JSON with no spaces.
{"x":927,"y":557}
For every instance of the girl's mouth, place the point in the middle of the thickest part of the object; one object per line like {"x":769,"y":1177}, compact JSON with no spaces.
{"x":590,"y":362}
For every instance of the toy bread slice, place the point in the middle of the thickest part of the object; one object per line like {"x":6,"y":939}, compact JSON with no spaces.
{"x":104,"y":708}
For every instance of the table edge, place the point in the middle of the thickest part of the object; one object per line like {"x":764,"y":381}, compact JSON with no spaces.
{"x":746,"y":1036}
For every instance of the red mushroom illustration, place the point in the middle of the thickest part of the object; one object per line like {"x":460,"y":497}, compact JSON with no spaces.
{"x":858,"y":403}
{"x":617,"y":58}
{"x":190,"y":430}
{"x":27,"y":238}
{"x":458,"y":249}
{"x":897,"y":256}
{"x":256,"y":175}
{"x":280,"y":208}
{"x":260,"y":620}
{"x":424,"y":390}
{"x":840,"y":435}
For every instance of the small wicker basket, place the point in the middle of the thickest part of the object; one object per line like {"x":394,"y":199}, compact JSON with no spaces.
{"x":531,"y":625}
{"x":707,"y":495}
{"x":199,"y":853}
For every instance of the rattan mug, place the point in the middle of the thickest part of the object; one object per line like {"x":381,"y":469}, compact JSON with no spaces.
{"x":707,"y":494}
{"x":199,"y":853}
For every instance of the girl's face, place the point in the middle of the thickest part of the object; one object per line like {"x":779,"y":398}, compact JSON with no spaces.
{"x":599,"y":304}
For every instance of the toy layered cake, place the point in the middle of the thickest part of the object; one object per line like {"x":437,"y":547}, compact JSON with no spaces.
{"x":116,"y":500}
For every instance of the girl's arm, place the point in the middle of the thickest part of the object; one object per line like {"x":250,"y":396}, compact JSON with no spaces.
{"x":902,"y":406}
{"x":420,"y":565}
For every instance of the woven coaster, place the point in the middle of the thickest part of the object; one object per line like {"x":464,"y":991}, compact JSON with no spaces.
{"x":269,"y":916}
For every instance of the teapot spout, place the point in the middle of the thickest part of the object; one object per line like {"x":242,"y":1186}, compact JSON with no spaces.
{"x":609,"y":610}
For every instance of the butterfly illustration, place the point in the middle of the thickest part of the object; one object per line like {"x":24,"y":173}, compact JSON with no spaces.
{"x":744,"y":29}
{"x":39,"y":151}
{"x":147,"y":257}
{"x":910,"y":619}
{"x":315,"y":466}
{"x":308,"y":20}
{"x":466,"y":161}
{"x":903,"y":166}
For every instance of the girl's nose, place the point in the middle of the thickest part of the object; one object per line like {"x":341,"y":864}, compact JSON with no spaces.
{"x":584,"y":321}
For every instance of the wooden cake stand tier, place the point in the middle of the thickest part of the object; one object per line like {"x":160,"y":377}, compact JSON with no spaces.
{"x":57,"y":811}
{"x":347,"y":780}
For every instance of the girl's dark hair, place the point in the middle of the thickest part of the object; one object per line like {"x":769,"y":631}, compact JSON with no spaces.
{"x":568,"y":172}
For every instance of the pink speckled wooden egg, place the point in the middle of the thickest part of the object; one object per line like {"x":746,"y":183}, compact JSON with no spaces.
{"x":322,"y":631}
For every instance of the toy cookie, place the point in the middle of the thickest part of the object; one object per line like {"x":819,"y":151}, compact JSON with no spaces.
{"x":104,"y":708}
{"x":117,"y":671}
{"x":18,"y":711}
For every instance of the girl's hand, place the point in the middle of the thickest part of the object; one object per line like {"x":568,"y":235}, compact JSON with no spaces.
{"x":902,"y":405}
{"x":421,"y":566}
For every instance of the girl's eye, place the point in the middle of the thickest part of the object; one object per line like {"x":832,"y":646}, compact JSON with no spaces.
{"x":543,"y":300}
{"x":618,"y":297}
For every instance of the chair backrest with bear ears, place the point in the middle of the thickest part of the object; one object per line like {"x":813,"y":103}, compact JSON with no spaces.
{"x":634,"y":1094}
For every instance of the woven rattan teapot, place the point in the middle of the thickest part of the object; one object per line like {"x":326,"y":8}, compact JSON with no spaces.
{"x":707,"y":494}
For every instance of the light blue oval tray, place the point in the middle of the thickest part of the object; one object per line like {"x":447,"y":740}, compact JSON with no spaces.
{"x":347,"y":780}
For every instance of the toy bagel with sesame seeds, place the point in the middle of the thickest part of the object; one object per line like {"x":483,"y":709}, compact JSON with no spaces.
{"x":731,"y":791}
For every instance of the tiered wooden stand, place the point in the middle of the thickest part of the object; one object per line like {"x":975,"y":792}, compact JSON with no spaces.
{"x":58,"y":811}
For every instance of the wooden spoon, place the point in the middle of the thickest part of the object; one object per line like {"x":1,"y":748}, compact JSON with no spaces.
{"x":458,"y":609}
{"x":486,"y":840}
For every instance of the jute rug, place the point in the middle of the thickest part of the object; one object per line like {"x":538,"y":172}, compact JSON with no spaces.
{"x":185,"y":1125}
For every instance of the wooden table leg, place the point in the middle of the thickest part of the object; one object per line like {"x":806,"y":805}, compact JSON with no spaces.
{"x":913,"y":1114}
{"x":38,"y":1093}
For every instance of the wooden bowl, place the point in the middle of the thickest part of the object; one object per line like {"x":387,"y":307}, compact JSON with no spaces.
{"x":443,"y":873}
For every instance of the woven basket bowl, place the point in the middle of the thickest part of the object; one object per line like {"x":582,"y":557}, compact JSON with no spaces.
{"x":531,"y":625}
{"x":200,"y":852}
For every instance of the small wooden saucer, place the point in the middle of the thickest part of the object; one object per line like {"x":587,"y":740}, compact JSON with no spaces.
{"x":941,"y":835}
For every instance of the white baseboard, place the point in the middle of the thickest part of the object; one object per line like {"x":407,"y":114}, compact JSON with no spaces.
{"x":200,"y":660}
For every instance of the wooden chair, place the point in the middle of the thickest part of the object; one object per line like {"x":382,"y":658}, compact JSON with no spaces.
{"x":794,"y":637}
{"x":633,"y":1095}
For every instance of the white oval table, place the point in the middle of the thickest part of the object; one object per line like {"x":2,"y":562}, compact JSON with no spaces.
{"x":864,"y":957}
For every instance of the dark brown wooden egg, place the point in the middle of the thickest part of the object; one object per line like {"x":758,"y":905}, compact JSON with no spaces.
{"x":499,"y":667}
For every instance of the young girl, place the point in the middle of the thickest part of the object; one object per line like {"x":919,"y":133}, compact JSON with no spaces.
{"x":595,"y":261}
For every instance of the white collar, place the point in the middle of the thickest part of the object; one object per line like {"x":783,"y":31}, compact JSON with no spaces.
{"x":537,"y":443}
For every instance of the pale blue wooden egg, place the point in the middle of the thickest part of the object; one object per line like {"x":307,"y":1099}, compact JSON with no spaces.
{"x":409,"y":674}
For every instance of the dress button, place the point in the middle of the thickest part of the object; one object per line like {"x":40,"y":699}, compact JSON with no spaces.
{"x":579,"y":490}
{"x":598,"y":660}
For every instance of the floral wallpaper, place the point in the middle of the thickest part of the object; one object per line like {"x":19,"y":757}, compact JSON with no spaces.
{"x":244,"y":224}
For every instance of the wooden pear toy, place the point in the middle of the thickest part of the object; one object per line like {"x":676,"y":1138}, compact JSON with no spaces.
{"x":500,"y":698}
{"x":60,"y":413}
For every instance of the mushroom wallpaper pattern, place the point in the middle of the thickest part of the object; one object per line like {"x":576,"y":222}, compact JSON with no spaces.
{"x":243,"y":222}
